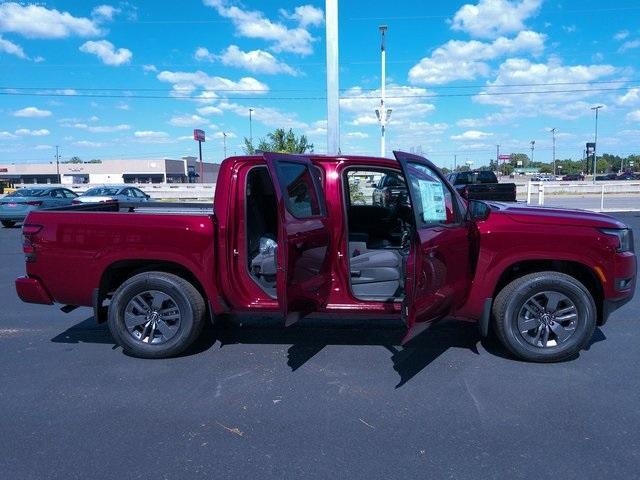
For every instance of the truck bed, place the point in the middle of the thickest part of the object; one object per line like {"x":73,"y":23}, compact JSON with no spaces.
{"x":190,"y":208}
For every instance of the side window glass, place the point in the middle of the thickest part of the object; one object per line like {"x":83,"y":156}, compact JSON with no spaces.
{"x":434,"y":201}
{"x":299,"y":189}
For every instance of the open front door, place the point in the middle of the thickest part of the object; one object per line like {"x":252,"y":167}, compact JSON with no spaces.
{"x":303,"y":277}
{"x":438,"y":267}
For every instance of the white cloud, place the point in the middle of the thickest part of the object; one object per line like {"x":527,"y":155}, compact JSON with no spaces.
{"x":187,"y":121}
{"x":255,"y":61}
{"x":305,"y":15}
{"x":151,"y":136}
{"x":459,"y":60}
{"x":403,"y":100}
{"x":358,"y":135}
{"x":32,"y":112}
{"x":631,"y":44}
{"x":25,"y":132}
{"x":102,"y":128}
{"x":272,"y":117}
{"x":149,"y":68}
{"x":632,"y":97}
{"x":34,"y":21}
{"x":5,"y":135}
{"x":317,"y":129}
{"x":253,"y":24}
{"x":185,"y":83}
{"x":556,"y":100}
{"x":43,"y":147}
{"x":12,"y":48}
{"x":104,"y":12}
{"x":634,"y":116}
{"x":471,"y":135}
{"x":490,"y":18}
{"x":88,"y":143}
{"x":203,"y":54}
{"x":209,"y":110}
{"x":123,"y":106}
{"x":621,"y":35}
{"x":106,"y":52}
{"x":569,"y":28}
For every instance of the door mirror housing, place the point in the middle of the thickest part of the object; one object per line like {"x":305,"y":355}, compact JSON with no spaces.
{"x":479,"y":210}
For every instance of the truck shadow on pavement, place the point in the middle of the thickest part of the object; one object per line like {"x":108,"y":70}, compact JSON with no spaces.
{"x":310,"y":336}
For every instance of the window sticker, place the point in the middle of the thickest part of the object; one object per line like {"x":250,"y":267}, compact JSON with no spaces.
{"x":433,"y":203}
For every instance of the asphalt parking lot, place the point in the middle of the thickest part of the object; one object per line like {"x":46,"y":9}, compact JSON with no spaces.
{"x":325,"y":399}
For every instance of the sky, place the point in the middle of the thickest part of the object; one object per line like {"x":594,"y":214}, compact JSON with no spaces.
{"x":132,"y":79}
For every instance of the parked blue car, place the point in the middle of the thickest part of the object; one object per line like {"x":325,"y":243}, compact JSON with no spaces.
{"x":15,"y":206}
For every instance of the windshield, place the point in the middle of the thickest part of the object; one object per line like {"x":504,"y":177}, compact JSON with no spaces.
{"x":101,"y":192}
{"x":27,"y":192}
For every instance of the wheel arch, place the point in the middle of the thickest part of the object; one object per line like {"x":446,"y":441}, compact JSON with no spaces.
{"x":580,"y":271}
{"x":116,"y":273}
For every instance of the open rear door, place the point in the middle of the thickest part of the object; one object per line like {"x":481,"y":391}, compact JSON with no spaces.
{"x":303,"y":275}
{"x":438,"y":269}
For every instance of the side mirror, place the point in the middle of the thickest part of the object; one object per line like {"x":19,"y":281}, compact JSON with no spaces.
{"x":479,"y":210}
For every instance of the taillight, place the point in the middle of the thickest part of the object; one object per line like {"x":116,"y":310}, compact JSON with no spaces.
{"x":29,"y":249}
{"x":76,"y":202}
{"x":35,"y":203}
{"x":111,"y":200}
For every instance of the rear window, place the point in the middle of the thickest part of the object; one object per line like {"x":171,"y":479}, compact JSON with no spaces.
{"x":487,"y":176}
{"x":27,"y":192}
{"x":101,"y":192}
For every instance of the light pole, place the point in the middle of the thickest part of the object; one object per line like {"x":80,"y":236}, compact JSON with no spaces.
{"x":250,"y":128}
{"x":533,"y":146}
{"x":58,"y":165}
{"x":224,"y":143}
{"x":553,"y":133}
{"x":595,"y":141}
{"x":333,"y":81}
{"x":382,"y":114}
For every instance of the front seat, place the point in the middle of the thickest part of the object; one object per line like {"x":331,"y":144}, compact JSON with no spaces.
{"x":376,"y":274}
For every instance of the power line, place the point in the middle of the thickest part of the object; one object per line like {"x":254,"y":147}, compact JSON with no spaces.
{"x":280,"y":98}
{"x":237,"y":90}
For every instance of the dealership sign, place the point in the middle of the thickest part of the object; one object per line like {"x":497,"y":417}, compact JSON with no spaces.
{"x":198,"y":135}
{"x":504,"y":158}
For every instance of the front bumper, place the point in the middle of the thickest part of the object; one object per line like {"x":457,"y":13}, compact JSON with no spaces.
{"x":30,"y":290}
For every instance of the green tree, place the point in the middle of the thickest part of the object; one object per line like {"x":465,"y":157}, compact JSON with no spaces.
{"x":281,"y":141}
{"x":519,"y":157}
{"x":74,"y":160}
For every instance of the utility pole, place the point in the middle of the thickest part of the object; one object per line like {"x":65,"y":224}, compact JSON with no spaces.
{"x":553,"y":133}
{"x":455,"y":162}
{"x":497,"y":156}
{"x":533,"y":145}
{"x":250,"y":128}
{"x":58,"y":165}
{"x":595,"y":146}
{"x":382,"y":113}
{"x":333,"y":85}
{"x":224,"y":143}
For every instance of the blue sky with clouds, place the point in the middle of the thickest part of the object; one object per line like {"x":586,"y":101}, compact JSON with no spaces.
{"x":132,"y":79}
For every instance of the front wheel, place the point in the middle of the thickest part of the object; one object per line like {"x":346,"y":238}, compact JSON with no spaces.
{"x":544,"y":317}
{"x":7,"y":223}
{"x":156,"y":315}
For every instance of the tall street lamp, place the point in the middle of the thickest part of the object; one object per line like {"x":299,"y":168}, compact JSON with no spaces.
{"x":553,"y":133}
{"x":250,"y":127}
{"x":595,"y":145}
{"x":533,"y":146}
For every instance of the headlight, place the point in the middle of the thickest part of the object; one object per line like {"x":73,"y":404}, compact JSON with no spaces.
{"x":625,"y":238}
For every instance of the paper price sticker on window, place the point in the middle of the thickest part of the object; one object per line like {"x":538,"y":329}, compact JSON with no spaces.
{"x":433,"y":203}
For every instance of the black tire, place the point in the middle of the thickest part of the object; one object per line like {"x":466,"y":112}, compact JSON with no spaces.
{"x":8,"y":223}
{"x":182,"y":295}
{"x":509,"y":305}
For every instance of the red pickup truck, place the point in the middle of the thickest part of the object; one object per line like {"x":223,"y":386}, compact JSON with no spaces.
{"x":298,"y":234}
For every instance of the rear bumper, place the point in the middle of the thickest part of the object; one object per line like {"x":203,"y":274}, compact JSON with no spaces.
{"x":18,"y":217}
{"x":30,"y":290}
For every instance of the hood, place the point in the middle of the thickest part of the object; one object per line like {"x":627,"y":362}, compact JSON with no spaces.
{"x":559,"y":216}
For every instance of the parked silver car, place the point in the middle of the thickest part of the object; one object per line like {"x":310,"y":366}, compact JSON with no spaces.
{"x":113,"y":193}
{"x":15,"y":206}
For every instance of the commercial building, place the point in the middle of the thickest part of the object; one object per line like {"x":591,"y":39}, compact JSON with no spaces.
{"x":161,"y":170}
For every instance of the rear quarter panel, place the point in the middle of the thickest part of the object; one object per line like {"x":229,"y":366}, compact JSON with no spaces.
{"x":74,"y":249}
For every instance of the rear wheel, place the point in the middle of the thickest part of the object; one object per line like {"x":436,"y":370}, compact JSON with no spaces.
{"x":156,"y":315}
{"x":7,"y":223}
{"x":544,"y":317}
